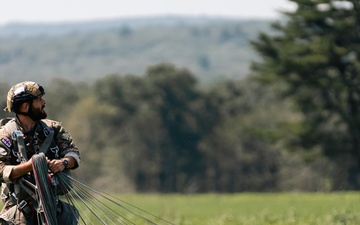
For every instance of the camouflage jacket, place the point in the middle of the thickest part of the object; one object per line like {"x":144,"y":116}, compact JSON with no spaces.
{"x":62,"y":145}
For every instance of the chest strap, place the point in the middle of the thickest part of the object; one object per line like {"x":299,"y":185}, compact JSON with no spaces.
{"x":18,"y":136}
{"x":49,"y":133}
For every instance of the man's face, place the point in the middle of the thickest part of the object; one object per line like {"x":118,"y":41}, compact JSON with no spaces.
{"x":37,"y":110}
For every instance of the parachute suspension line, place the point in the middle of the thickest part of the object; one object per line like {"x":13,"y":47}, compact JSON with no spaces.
{"x":94,"y":205}
{"x":70,"y":200}
{"x":46,"y":200}
{"x":116,"y":203}
{"x":65,"y":187}
{"x":91,"y":206}
{"x":142,"y":210}
{"x":104,"y":207}
{"x":106,"y":211}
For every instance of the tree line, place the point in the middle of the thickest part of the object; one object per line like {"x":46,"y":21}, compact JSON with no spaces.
{"x":164,"y":132}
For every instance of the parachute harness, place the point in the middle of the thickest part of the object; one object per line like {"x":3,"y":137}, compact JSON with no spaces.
{"x":96,"y":207}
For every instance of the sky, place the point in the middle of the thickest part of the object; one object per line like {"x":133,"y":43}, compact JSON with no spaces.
{"x":55,"y":11}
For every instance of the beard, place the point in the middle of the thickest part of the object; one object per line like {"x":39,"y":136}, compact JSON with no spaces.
{"x":37,"y":114}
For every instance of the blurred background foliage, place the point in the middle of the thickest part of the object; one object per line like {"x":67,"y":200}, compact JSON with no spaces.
{"x":290,"y":124}
{"x":211,"y":48}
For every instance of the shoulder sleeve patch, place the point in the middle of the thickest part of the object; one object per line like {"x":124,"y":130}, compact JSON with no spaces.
{"x":6,"y":141}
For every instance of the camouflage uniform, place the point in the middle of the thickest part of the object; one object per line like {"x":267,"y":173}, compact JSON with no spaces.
{"x":62,"y":146}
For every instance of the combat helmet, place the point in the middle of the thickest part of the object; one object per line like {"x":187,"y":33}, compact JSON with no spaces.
{"x":22,"y":92}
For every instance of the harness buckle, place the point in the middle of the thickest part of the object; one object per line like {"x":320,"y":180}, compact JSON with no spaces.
{"x":4,"y":196}
{"x":16,"y":134}
{"x":22,"y":204}
{"x":24,"y":207}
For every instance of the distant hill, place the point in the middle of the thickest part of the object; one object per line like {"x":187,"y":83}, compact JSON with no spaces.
{"x":212,"y":48}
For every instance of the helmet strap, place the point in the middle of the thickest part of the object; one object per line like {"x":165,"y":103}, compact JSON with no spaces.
{"x":23,"y":113}
{"x":29,"y":113}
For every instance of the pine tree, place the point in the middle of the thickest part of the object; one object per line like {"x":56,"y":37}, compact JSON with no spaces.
{"x":316,"y":54}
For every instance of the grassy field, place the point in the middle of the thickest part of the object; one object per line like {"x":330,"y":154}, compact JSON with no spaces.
{"x":253,"y":209}
{"x":341,"y":208}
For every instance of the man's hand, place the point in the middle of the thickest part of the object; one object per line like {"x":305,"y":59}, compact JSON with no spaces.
{"x":56,"y":165}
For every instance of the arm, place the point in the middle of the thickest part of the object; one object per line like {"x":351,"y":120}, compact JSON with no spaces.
{"x":68,"y":150}
{"x":8,"y":172}
{"x":21,"y":169}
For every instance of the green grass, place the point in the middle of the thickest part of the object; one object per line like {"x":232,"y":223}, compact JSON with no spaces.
{"x":253,"y":209}
{"x":341,"y":208}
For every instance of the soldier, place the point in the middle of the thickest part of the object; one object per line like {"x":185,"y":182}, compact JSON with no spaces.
{"x":25,"y":99}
